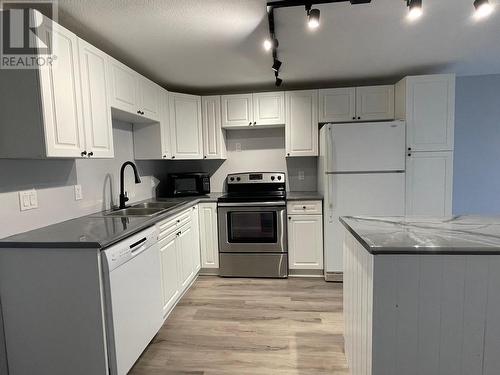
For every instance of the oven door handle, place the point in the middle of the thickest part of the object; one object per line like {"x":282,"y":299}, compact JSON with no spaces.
{"x":252,"y":204}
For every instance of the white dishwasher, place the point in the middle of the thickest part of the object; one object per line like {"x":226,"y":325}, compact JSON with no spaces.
{"x":133,"y":296}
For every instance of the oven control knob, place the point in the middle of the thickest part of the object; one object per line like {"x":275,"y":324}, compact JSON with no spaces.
{"x":279,"y":177}
{"x":238,"y":179}
{"x":232,"y":178}
{"x":272,"y":178}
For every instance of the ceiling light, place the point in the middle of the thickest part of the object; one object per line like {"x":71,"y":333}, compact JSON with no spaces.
{"x":313,"y":18}
{"x":415,"y":9}
{"x":483,"y":8}
{"x":276,"y":65}
{"x":268,"y":45}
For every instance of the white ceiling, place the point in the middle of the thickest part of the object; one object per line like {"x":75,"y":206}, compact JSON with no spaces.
{"x":216,"y":45}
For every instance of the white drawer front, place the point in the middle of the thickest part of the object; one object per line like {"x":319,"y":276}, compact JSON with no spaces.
{"x":304,"y":207}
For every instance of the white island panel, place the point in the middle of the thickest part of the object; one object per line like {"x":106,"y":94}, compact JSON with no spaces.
{"x":421,"y":314}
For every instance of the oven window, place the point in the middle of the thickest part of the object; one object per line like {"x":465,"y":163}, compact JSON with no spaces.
{"x":252,"y":227}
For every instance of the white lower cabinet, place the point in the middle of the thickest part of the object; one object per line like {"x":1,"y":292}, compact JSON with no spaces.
{"x":429,"y":183}
{"x":209,"y":239}
{"x":179,"y":242}
{"x":305,"y":237}
{"x":169,"y":272}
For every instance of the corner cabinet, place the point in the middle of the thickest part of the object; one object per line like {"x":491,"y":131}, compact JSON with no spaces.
{"x":133,"y":97}
{"x":185,"y":126}
{"x":427,"y":104}
{"x":429,"y":183}
{"x":301,"y":123}
{"x":305,"y":235}
{"x":214,"y":138}
{"x":152,"y":140}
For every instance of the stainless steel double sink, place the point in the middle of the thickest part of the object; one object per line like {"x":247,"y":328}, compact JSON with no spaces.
{"x":143,"y":209}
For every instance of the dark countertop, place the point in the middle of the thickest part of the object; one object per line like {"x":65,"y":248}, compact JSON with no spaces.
{"x":95,"y":231}
{"x":304,"y":196}
{"x":458,"y":235}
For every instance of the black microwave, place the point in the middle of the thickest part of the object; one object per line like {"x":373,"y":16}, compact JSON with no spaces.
{"x":185,"y":184}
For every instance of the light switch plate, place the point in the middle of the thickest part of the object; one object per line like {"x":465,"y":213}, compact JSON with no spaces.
{"x":301,"y":175}
{"x":238,"y":147}
{"x":28,"y":200}
{"x":78,"y":193}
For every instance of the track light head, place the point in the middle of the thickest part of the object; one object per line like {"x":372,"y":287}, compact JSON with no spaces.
{"x":483,"y":8}
{"x":278,"y":82}
{"x":415,"y":9}
{"x":277,"y":65}
{"x":313,"y":18}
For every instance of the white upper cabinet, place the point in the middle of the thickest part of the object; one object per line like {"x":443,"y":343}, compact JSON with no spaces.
{"x":149,"y":98}
{"x":136,"y":98}
{"x":61,"y":96}
{"x":258,"y":109}
{"x":152,"y":140}
{"x":375,"y":103}
{"x":429,"y":183}
{"x":371,"y":103}
{"x":96,"y":106}
{"x":185,"y":126}
{"x":301,"y":131}
{"x":268,"y":108}
{"x":214,"y":138}
{"x":337,"y":105}
{"x":123,"y":87}
{"x":237,"y":110}
{"x":427,"y":104}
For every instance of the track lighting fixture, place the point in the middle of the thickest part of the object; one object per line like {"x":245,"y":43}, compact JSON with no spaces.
{"x":279,"y":81}
{"x":483,"y":8}
{"x":276,"y":65}
{"x":415,"y":9}
{"x":312,"y":17}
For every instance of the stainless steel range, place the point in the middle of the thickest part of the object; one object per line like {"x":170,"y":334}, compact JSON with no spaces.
{"x":252,"y":226}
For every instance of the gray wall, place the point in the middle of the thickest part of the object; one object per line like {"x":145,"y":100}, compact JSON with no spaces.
{"x":477,"y":145}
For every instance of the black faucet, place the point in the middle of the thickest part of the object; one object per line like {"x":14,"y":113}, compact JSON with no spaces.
{"x":123,"y":195}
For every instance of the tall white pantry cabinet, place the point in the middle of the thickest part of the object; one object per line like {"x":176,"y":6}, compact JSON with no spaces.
{"x":427,"y":104}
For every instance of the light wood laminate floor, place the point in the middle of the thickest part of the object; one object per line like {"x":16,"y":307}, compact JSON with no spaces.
{"x":251,"y":326}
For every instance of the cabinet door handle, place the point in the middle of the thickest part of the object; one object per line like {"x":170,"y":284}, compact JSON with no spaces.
{"x":83,"y":153}
{"x":354,"y":118}
{"x":409,"y":154}
{"x":164,"y":156}
{"x":254,"y":123}
{"x":204,"y":156}
{"x":359,"y":118}
{"x":138,"y":112}
{"x":409,"y":148}
{"x":304,"y":207}
{"x":249,"y":124}
{"x":173,"y":157}
{"x":91,"y":154}
{"x":289,"y":218}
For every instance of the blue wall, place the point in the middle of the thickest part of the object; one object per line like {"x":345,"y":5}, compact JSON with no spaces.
{"x":477,"y":145}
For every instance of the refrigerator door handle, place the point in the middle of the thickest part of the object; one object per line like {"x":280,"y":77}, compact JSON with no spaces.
{"x":331,"y":200}
{"x":329,"y":149}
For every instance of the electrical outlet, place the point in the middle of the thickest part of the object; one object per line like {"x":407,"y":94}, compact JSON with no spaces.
{"x":28,"y":200}
{"x":301,"y":176}
{"x":78,"y":193}
{"x":238,"y":147}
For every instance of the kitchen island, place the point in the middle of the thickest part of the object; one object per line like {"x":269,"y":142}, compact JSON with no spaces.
{"x":422,"y":296}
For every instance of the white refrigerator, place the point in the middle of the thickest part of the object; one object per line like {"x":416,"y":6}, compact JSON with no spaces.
{"x":361,"y":171}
